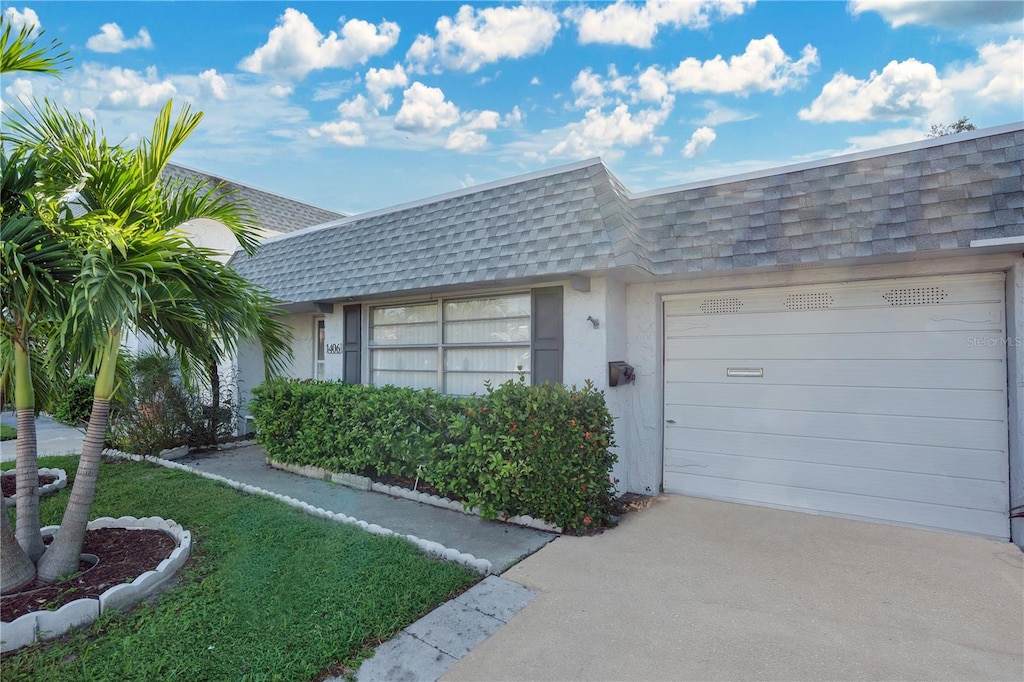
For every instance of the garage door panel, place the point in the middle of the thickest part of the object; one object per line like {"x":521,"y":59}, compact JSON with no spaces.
{"x":882,"y":400}
{"x":852,"y":480}
{"x":952,"y":403}
{"x":957,"y":433}
{"x":980,"y":464}
{"x":962,"y":318}
{"x":961,"y":374}
{"x":960,"y":519}
{"x":894,"y":346}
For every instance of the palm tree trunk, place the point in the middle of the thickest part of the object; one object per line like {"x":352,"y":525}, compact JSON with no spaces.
{"x":16,"y":569}
{"x":62,"y":557}
{"x":27,"y":529}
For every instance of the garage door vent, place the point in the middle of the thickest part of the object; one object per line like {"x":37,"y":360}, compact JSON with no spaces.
{"x":915,"y":296}
{"x":816,"y":300}
{"x":715,"y":306}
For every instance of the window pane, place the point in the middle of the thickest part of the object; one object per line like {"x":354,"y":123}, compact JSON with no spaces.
{"x":473,"y":382}
{"x":422,"y":360}
{"x":488,"y":331}
{"x":488,"y":308}
{"x":403,"y":334}
{"x":403,"y":314}
{"x":506,"y":360}
{"x":408,"y":379}
{"x":319,"y":341}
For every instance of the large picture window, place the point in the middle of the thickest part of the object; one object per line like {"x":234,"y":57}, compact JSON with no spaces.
{"x":452,"y":346}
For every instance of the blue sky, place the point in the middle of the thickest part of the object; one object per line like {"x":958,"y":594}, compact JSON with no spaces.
{"x":359,"y":105}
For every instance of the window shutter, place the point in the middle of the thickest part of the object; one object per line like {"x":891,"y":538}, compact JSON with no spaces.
{"x":353,"y":343}
{"x":547,"y":335}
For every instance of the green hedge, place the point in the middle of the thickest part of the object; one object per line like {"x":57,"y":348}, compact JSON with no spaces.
{"x":74,"y":405}
{"x":538,"y":450}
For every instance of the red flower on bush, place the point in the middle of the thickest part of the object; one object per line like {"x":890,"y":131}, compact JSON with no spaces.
{"x":586,"y":520}
{"x":587,"y":435}
{"x":584,"y":488}
{"x":513,"y":428}
{"x":572,"y":422}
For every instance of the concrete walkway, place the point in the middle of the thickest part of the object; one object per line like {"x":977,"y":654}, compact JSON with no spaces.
{"x":693,"y":589}
{"x":52,"y":437}
{"x":500,"y":543}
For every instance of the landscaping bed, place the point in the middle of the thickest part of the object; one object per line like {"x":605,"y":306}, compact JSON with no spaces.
{"x":269,"y":593}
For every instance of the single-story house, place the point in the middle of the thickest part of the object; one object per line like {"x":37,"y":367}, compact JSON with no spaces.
{"x":842,"y":337}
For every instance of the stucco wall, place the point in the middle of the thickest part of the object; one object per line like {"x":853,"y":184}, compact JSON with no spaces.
{"x":1015,"y":384}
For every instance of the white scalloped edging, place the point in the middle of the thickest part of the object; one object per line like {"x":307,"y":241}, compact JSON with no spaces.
{"x":432,"y":548}
{"x":405,"y":493}
{"x":48,"y":489}
{"x":45,"y":625}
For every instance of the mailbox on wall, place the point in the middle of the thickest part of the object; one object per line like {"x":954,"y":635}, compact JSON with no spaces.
{"x":620,"y":373}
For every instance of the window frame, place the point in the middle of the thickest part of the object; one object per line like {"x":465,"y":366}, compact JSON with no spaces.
{"x":441,"y":346}
{"x":319,"y":347}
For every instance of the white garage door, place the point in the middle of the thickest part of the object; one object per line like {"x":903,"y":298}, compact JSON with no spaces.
{"x":881,"y":400}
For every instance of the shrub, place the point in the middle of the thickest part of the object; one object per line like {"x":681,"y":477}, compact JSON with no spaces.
{"x":544,"y":450}
{"x":74,"y":405}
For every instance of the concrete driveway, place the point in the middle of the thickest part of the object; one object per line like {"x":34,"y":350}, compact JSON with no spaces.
{"x":52,"y":437}
{"x":693,"y":589}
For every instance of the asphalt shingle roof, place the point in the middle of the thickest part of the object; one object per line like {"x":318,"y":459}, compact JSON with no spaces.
{"x":580,"y":219}
{"x":273,"y":212}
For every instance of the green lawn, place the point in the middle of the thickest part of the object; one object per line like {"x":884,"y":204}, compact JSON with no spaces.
{"x":269,"y":593}
{"x":8,"y":432}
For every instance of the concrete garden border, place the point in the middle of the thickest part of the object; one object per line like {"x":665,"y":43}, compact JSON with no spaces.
{"x":45,"y":625}
{"x":364,"y":483}
{"x":48,"y":489}
{"x":432,"y":548}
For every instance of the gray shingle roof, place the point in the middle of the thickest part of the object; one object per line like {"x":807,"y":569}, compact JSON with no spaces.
{"x":935,"y":195}
{"x":273,"y":212}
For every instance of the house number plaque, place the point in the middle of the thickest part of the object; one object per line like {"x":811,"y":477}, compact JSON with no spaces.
{"x":333,"y":349}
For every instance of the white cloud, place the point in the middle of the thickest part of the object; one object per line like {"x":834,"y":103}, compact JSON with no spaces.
{"x":465,"y":141}
{"x":126,"y":88}
{"x":625,"y":23}
{"x":280,"y":91}
{"x":719,"y":114}
{"x":882,"y":139}
{"x":763,"y":66}
{"x":357,"y":107}
{"x":379,"y":83}
{"x":344,"y":133}
{"x":425,"y":109}
{"x":907,"y":89}
{"x":997,"y":76}
{"x":21,"y":90}
{"x":534,"y":81}
{"x":295,"y":46}
{"x":600,"y":133}
{"x":478,"y":37}
{"x":214,"y":83}
{"x":699,"y":142}
{"x":514,"y":118}
{"x":653,"y":85}
{"x":590,"y":88}
{"x":948,"y":14}
{"x":111,"y":39}
{"x":326,"y":90}
{"x":26,"y":17}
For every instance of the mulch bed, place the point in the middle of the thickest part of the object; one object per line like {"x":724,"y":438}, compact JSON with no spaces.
{"x":124,"y":555}
{"x":10,"y":483}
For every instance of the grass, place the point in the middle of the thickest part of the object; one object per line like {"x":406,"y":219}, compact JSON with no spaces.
{"x":269,"y":593}
{"x":8,"y":432}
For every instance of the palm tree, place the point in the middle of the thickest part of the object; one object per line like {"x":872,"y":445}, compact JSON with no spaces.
{"x":34,"y":263}
{"x":138,"y":271}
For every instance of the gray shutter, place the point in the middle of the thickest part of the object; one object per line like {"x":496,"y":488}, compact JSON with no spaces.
{"x":353,"y":343}
{"x":547,"y":335}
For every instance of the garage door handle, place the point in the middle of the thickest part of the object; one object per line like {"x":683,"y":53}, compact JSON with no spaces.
{"x":757,"y":372}
{"x":670,"y":421}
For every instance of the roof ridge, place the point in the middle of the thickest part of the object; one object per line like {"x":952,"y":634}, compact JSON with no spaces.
{"x":254,"y":188}
{"x":438,"y":198}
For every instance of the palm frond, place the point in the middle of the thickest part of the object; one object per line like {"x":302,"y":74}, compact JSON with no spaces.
{"x":25,"y":51}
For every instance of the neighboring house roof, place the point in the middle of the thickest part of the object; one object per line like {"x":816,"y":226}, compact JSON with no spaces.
{"x":578,"y":219}
{"x":274,"y":213}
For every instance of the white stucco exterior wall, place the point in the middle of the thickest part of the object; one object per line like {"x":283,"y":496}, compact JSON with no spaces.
{"x":1015,"y":392}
